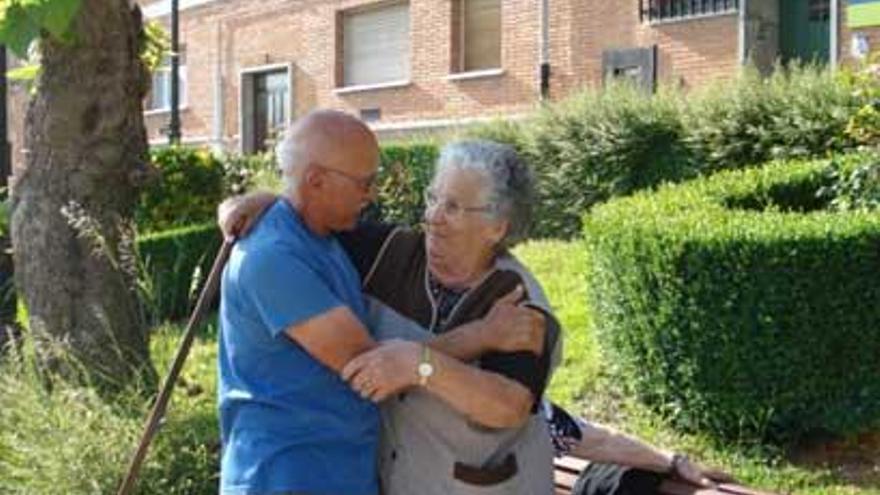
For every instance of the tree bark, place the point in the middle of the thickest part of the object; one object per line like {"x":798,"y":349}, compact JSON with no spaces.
{"x":73,"y":203}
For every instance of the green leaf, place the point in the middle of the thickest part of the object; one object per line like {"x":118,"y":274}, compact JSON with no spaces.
{"x":17,"y":29}
{"x":25,"y":73}
{"x":55,"y":16}
{"x":22,"y":21}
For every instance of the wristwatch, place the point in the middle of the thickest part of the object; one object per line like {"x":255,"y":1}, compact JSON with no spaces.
{"x":425,"y":368}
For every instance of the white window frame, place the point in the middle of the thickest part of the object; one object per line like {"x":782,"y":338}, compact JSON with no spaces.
{"x":647,"y":18}
{"x":182,"y":104}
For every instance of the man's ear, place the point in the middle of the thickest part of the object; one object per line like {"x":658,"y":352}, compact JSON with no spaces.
{"x":313,"y":177}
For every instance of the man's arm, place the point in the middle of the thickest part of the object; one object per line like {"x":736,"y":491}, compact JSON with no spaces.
{"x":237,"y":214}
{"x":333,"y":338}
{"x":293,"y":301}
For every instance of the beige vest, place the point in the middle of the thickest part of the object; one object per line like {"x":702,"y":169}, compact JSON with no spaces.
{"x":428,"y":448}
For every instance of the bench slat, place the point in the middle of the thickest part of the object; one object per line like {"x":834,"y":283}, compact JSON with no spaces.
{"x":568,"y":469}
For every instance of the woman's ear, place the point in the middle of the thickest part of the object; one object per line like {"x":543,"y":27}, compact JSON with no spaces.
{"x":498,"y":231}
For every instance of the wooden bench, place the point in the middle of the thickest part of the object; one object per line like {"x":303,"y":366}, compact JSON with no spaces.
{"x":568,"y":469}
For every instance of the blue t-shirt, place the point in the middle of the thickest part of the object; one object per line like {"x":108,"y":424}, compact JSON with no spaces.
{"x":287,"y":422}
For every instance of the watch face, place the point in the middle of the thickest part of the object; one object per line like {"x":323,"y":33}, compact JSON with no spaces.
{"x":425,"y":369}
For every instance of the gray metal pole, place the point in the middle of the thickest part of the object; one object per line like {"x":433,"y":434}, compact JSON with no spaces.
{"x":5,"y":155}
{"x":174,"y":126}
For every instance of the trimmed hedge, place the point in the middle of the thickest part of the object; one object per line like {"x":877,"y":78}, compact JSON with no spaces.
{"x":175,"y":263}
{"x":738,"y":305}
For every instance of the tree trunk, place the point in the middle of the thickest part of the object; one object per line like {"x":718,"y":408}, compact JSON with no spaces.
{"x":73,"y":202}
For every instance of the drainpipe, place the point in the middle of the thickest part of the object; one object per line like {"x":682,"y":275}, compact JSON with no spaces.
{"x":743,"y":31}
{"x":835,"y":34}
{"x":5,"y":155}
{"x":544,"y":44}
{"x":218,"y":92}
{"x":174,"y":126}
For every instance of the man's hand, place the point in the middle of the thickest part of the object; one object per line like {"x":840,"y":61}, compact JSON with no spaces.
{"x":236,"y":215}
{"x":510,"y":328}
{"x":385,"y":370}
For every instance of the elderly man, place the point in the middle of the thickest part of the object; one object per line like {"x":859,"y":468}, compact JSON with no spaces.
{"x":292,"y":317}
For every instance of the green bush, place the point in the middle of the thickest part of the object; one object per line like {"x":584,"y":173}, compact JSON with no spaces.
{"x":599,"y":145}
{"x":174,"y":265}
{"x":606,"y":143}
{"x":799,"y":111}
{"x":738,"y":305}
{"x":190,"y":185}
{"x":853,"y":186}
{"x":246,"y":172}
{"x":404,"y":173}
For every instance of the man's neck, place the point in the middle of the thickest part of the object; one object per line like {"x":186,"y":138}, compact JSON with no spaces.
{"x":309,"y":217}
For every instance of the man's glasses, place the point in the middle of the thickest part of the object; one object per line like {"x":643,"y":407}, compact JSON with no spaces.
{"x":363,"y":183}
{"x":453,"y":210}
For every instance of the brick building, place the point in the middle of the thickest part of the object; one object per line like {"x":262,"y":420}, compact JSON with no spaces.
{"x":252,"y":66}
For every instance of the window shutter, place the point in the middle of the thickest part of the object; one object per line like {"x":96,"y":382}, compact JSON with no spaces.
{"x":482,"y":34}
{"x":376,"y":45}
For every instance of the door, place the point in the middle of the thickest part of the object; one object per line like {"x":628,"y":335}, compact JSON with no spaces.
{"x":270,"y":107}
{"x":805,"y":30}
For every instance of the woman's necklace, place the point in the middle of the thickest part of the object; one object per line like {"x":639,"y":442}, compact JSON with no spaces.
{"x":446,"y":300}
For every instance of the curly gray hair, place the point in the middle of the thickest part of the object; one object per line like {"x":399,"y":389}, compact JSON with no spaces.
{"x":510,"y":186}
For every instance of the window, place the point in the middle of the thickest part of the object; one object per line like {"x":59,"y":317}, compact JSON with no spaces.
{"x":479,"y":28}
{"x":820,"y":10}
{"x":159,"y":97}
{"x":659,"y":10}
{"x":375,"y":45}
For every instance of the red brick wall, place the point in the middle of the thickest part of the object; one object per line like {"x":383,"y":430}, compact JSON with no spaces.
{"x":305,"y":34}
{"x":690,"y":52}
{"x":240,"y":34}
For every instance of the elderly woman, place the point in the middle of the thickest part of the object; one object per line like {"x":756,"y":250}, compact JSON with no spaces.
{"x":447,"y":432}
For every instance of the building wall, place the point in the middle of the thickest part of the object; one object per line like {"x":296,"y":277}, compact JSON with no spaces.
{"x":223,"y":38}
{"x":691,"y":52}
{"x":240,"y":34}
{"x":846,"y":34}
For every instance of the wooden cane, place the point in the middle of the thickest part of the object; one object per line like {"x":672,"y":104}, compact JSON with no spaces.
{"x":161,"y":404}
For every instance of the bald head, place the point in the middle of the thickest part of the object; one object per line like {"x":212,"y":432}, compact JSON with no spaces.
{"x":325,"y":137}
{"x":329,"y":161}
